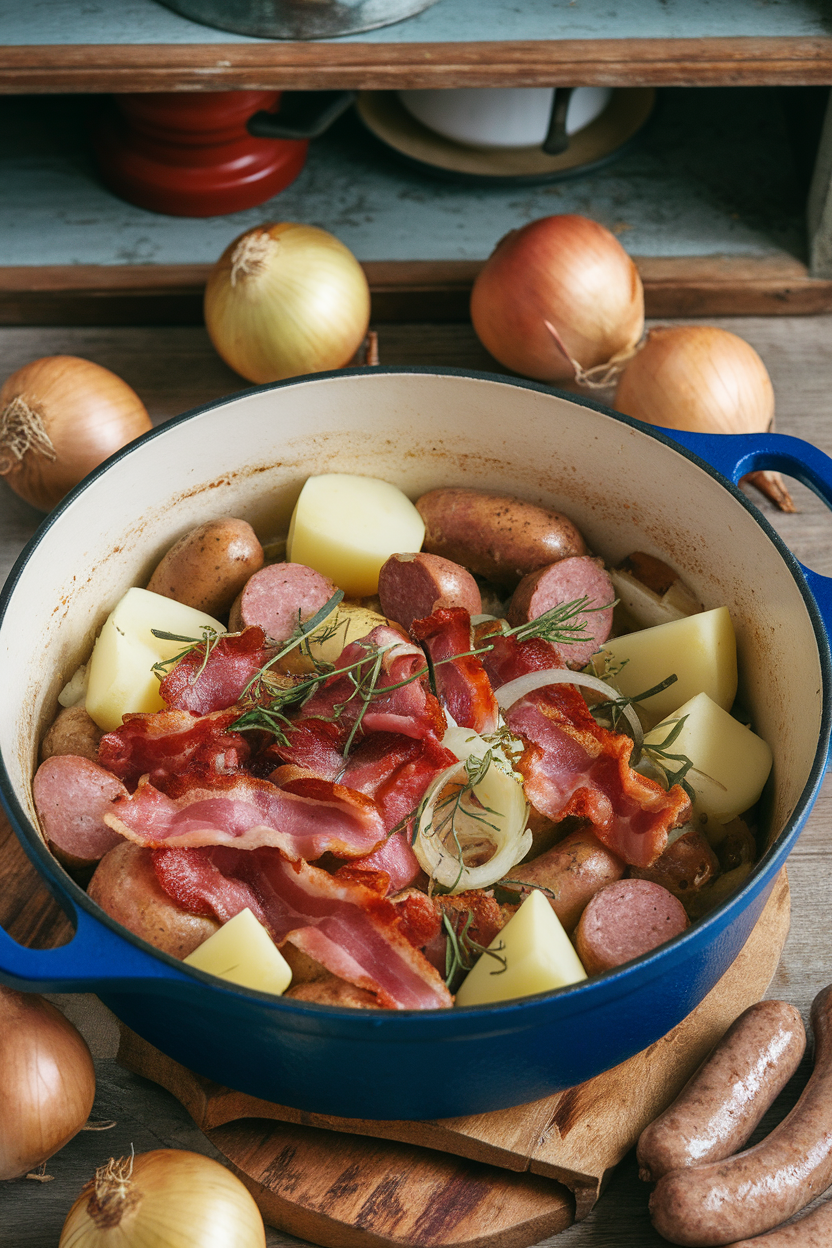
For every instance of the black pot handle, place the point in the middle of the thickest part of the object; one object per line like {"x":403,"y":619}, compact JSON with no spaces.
{"x":557,"y":140}
{"x":302,"y":115}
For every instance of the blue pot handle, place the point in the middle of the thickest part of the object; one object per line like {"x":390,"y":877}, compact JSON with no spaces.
{"x":734,"y":455}
{"x":86,"y":964}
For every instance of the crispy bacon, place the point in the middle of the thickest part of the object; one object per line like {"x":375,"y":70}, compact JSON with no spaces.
{"x":167,"y":742}
{"x":408,"y":708}
{"x":231,"y":664}
{"x":355,"y":933}
{"x":248,"y":813}
{"x":461,"y":682}
{"x":573,"y":766}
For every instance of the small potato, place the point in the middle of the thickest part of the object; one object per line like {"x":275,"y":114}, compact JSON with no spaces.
{"x":73,"y":732}
{"x":347,"y":623}
{"x":208,"y":567}
{"x":496,"y":535}
{"x":125,"y":886}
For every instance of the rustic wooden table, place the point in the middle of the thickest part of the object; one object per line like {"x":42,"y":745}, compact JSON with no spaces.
{"x":174,"y":369}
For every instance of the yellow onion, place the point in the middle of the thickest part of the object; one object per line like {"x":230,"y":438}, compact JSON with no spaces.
{"x":47,"y":1082}
{"x":558,"y":298}
{"x":167,"y":1197}
{"x":60,"y":417}
{"x":286,"y":299}
{"x":704,"y":379}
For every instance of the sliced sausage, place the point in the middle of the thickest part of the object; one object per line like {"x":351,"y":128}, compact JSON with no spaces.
{"x":496,"y":535}
{"x":72,"y":794}
{"x":760,"y":1188}
{"x":685,"y":866}
{"x":278,"y":597}
{"x":411,"y":587}
{"x":719,"y":1107}
{"x":624,"y":920}
{"x":73,"y":732}
{"x":126,"y":887}
{"x":208,"y":567}
{"x":574,"y":870}
{"x":568,"y":580}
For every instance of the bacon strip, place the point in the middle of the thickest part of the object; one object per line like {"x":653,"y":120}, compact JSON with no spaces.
{"x":167,"y":742}
{"x":576,"y":767}
{"x":460,"y":678}
{"x":355,"y":933}
{"x":231,"y":664}
{"x":248,"y":813}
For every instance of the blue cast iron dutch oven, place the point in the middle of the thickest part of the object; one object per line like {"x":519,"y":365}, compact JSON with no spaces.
{"x":628,"y":487}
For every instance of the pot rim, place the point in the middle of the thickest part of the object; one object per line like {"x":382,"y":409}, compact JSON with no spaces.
{"x":504,"y":1016}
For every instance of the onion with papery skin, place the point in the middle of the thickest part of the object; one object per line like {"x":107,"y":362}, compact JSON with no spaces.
{"x":47,"y":1082}
{"x":571,"y":272}
{"x":704,"y":379}
{"x":60,"y":417}
{"x":167,"y":1197}
{"x":286,"y":299}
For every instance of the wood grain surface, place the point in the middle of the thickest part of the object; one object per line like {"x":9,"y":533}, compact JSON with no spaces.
{"x":174,"y":369}
{"x":435,"y":290}
{"x":386,"y":66}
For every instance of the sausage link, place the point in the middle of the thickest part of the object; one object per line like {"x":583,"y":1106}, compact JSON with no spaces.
{"x":573,"y":871}
{"x":813,"y":1231}
{"x":760,"y":1188}
{"x":496,"y":536}
{"x":719,"y":1107}
{"x":568,"y":580}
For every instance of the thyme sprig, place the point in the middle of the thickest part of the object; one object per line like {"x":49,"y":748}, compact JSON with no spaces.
{"x":209,"y":639}
{"x":462,"y":951}
{"x":443,"y":821}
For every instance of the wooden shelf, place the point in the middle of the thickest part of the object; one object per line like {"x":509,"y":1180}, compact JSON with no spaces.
{"x":708,"y":201}
{"x":138,"y":45}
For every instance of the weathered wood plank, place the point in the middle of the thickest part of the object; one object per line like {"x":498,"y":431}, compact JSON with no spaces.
{"x":382,"y":66}
{"x":404,"y":291}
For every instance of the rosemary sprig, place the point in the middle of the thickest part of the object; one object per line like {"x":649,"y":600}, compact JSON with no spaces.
{"x":661,"y":754}
{"x":560,"y":625}
{"x":462,"y":951}
{"x":253,"y":688}
{"x":209,"y":639}
{"x":615,"y":706}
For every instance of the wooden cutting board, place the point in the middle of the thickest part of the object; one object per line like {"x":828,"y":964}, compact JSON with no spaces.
{"x":500,"y":1180}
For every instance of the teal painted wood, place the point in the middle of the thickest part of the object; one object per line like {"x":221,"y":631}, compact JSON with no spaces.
{"x":144,"y":21}
{"x":712,"y":174}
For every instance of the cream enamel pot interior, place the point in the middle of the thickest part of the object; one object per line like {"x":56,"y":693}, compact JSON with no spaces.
{"x":627,"y":487}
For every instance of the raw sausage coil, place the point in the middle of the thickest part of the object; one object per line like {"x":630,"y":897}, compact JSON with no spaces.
{"x":764,"y":1186}
{"x":718,"y":1109}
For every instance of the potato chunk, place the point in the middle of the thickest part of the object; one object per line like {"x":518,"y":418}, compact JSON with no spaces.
{"x":347,"y":526}
{"x":243,"y":952}
{"x":732,"y":763}
{"x":538,"y":957}
{"x":120,"y":675}
{"x":701,"y":650}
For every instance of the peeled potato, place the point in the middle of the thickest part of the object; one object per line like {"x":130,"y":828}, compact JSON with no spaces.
{"x":120,"y":676}
{"x":346,"y":527}
{"x":538,"y":954}
{"x":700,"y":650}
{"x":732,"y":763}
